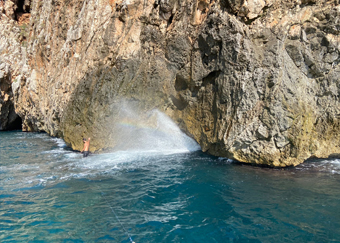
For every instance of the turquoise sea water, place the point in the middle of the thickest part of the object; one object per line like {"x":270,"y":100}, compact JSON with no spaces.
{"x":49,"y":193}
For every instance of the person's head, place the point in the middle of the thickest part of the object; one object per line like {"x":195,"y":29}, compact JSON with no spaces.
{"x":84,"y":140}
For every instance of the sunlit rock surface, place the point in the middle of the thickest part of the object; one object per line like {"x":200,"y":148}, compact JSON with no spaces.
{"x":255,"y":80}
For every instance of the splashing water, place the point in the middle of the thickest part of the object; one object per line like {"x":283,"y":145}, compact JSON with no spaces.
{"x":141,"y":138}
{"x":151,"y":132}
{"x":49,"y":193}
{"x":154,"y":188}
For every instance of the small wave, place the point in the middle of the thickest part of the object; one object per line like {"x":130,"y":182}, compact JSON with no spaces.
{"x":56,"y":151}
{"x":57,"y":163}
{"x":73,"y":155}
{"x":60,"y":142}
{"x":327,"y":166}
{"x":226,"y":160}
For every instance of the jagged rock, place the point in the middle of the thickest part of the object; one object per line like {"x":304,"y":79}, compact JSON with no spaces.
{"x":8,"y":118}
{"x":255,"y":81}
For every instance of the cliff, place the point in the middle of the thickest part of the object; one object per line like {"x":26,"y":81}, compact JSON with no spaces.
{"x":251,"y":80}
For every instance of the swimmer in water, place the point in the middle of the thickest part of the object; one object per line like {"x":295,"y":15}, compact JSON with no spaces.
{"x":85,"y":150}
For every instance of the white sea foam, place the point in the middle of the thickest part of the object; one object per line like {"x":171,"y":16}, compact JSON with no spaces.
{"x":325,"y":166}
{"x":56,"y":151}
{"x":60,"y":142}
{"x":142,"y":139}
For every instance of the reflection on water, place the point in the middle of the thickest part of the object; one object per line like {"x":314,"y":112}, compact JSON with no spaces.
{"x":51,"y":194}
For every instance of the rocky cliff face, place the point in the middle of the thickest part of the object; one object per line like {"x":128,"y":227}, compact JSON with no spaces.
{"x":8,"y":118}
{"x":252,"y":80}
{"x":10,"y":61}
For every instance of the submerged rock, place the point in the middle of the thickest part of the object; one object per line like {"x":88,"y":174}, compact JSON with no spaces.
{"x":255,"y":80}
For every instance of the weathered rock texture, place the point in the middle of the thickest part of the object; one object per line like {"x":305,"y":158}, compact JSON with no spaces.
{"x":8,"y":118}
{"x":252,"y":80}
{"x":10,"y":62}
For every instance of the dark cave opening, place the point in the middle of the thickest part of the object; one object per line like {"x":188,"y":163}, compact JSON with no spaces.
{"x":20,"y":6}
{"x":21,"y":9}
{"x":16,"y":125}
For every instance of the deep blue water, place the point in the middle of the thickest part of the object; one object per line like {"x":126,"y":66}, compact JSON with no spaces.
{"x":49,"y":193}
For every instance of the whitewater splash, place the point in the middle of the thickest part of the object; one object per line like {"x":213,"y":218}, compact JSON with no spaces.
{"x":141,"y":139}
{"x":150,"y":132}
{"x":321,"y":165}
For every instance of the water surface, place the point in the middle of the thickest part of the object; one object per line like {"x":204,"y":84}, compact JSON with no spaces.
{"x":49,"y":193}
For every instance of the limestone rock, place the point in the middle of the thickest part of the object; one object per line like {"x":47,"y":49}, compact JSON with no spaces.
{"x":254,"y":80}
{"x":8,"y":118}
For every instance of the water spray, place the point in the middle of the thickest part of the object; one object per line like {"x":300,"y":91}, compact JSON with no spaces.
{"x":152,"y":130}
